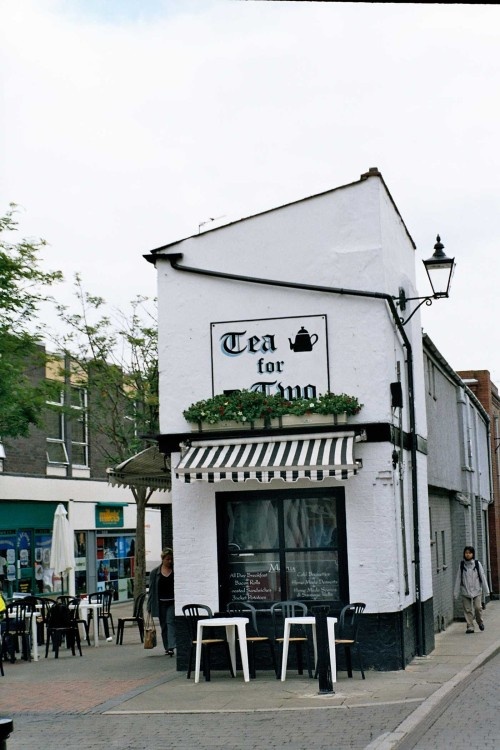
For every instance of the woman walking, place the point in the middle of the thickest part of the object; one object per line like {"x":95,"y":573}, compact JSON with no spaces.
{"x":161,"y":599}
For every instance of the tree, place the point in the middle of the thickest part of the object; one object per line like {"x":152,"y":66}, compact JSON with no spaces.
{"x":21,"y":291}
{"x":116,"y":359}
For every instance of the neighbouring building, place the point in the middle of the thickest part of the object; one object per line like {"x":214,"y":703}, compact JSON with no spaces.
{"x":55,"y":465}
{"x":480,"y":383}
{"x":459,"y":478}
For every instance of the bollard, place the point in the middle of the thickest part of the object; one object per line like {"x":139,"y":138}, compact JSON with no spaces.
{"x":323,"y":668}
{"x":6,"y":727}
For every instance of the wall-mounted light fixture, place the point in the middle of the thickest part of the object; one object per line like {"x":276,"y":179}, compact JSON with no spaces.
{"x":439,"y":270}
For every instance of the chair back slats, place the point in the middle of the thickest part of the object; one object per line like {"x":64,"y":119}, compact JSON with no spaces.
{"x":282,"y":610}
{"x":193,"y":613}
{"x":244,"y":609}
{"x":349,"y":621}
{"x":346,"y":634}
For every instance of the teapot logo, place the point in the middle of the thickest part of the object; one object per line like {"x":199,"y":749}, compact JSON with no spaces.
{"x":303,"y":341}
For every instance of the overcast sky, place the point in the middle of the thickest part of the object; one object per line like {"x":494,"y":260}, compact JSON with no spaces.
{"x":125,"y":124}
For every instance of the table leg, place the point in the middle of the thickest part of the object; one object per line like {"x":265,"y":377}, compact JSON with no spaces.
{"x":284,"y":654}
{"x":231,"y":640}
{"x":96,"y":627}
{"x":242,"y":637}
{"x":315,"y":644}
{"x":330,"y":622}
{"x":34,"y":639}
{"x":199,"y":636}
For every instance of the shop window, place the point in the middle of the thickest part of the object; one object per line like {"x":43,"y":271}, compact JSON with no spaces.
{"x":282,"y":545}
{"x":115,"y":565}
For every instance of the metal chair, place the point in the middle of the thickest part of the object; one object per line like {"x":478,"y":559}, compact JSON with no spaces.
{"x":61,"y":623}
{"x":298,"y":635}
{"x":137,"y":619}
{"x":245,"y":609}
{"x":18,"y":629}
{"x":74,"y":604}
{"x":193,"y":613}
{"x":104,"y":614}
{"x":347,"y":634}
{"x":40,"y":605}
{"x":65,"y":599}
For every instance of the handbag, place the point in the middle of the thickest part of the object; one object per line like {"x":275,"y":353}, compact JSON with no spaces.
{"x":149,"y":631}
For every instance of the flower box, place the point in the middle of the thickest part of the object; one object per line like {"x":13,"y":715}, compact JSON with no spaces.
{"x":228,"y":424}
{"x":293,"y":420}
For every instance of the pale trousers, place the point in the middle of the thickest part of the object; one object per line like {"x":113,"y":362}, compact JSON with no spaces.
{"x":473,"y":606}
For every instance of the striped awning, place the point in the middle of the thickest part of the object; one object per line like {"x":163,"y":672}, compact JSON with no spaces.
{"x":313,"y":457}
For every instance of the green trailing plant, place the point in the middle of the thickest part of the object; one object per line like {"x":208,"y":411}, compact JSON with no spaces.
{"x":239,"y":406}
{"x":248,"y":406}
{"x":326,"y":403}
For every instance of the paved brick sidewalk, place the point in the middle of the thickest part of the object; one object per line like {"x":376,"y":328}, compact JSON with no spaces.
{"x":126,"y":694}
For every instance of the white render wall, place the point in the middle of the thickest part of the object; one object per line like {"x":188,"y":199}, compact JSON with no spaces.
{"x":330,"y":240}
{"x":351,"y":238}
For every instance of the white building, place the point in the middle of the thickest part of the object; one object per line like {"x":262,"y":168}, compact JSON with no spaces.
{"x":231,"y":302}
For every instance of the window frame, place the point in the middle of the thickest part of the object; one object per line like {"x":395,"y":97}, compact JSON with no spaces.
{"x":82,"y":417}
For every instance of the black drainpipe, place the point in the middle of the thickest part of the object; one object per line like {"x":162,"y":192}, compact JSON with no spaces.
{"x":174,"y":259}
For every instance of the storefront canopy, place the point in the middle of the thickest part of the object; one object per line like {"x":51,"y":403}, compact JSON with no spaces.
{"x":313,"y":457}
{"x":149,"y":469}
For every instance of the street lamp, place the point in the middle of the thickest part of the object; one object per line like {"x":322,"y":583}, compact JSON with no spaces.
{"x":439,"y":270}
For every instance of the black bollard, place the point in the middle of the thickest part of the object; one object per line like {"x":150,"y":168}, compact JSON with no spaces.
{"x":6,"y":727}
{"x":323,"y":667}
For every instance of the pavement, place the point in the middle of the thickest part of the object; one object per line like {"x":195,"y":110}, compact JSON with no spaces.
{"x":127,"y":681}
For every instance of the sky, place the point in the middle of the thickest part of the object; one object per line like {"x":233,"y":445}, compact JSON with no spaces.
{"x":129,"y":124}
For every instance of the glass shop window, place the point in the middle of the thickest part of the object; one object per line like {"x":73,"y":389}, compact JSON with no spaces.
{"x":283,"y":545}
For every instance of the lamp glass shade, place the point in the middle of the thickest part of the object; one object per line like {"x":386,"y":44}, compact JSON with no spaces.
{"x":440,"y":272}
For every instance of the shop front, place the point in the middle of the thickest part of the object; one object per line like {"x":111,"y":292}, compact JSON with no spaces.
{"x":104,"y":545}
{"x":25,"y":543}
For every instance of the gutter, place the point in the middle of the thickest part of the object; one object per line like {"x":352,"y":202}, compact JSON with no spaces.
{"x":174,"y":259}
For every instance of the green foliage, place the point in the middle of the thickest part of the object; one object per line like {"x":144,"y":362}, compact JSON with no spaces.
{"x":22,"y":285}
{"x":115,"y":356}
{"x":247,"y":406}
{"x":21,"y":280}
{"x":240,"y":406}
{"x":326,"y":403}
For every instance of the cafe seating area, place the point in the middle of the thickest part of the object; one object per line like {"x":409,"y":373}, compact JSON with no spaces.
{"x":282,"y":638}
{"x":31,"y":621}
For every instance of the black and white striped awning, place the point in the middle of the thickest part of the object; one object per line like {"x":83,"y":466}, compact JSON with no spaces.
{"x":313,"y":457}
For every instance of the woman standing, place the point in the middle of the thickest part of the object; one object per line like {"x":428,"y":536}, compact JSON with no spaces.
{"x":472,"y":586}
{"x":161,"y":599}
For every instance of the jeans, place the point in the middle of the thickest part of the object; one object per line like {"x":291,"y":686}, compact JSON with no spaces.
{"x":167,"y":624}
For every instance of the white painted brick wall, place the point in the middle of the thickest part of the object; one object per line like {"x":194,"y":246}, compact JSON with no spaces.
{"x":350,"y":238}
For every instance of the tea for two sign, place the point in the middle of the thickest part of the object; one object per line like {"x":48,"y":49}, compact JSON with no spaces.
{"x":273,"y":355}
